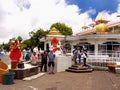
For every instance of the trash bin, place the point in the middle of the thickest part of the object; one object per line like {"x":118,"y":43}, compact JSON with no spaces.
{"x":8,"y":78}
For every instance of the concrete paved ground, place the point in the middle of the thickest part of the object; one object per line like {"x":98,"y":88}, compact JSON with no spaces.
{"x":96,"y":80}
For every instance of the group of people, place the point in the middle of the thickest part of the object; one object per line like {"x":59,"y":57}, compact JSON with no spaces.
{"x":32,"y":55}
{"x":80,"y":54}
{"x":46,"y":58}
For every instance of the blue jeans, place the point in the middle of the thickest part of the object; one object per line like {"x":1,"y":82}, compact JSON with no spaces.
{"x":79,"y":57}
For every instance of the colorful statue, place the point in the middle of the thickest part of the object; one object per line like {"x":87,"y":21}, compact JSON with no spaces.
{"x":55,"y":43}
{"x":55,"y":47}
{"x":15,"y":52}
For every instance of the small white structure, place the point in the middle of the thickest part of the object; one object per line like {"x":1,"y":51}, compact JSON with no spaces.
{"x":63,"y":62}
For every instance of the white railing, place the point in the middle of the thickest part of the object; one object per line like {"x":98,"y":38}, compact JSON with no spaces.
{"x":102,"y":60}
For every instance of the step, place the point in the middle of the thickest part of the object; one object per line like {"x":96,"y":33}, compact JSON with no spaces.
{"x":79,"y":65}
{"x":76,"y":65}
{"x":80,"y":71}
{"x":78,"y":68}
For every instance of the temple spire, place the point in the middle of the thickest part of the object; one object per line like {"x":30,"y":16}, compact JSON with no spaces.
{"x":54,"y":32}
{"x":101,"y":23}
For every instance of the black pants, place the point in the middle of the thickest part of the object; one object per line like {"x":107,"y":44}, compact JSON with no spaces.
{"x":44,"y":64}
{"x":84,"y":62}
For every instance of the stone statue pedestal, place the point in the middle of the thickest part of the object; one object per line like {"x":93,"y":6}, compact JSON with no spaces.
{"x":27,"y":71}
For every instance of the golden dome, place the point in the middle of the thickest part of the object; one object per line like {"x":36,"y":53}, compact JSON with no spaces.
{"x":54,"y":32}
{"x":101,"y":28}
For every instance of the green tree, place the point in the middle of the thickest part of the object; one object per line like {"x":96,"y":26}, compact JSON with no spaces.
{"x":5,"y":46}
{"x":36,"y":36}
{"x":64,"y":29}
{"x":26,"y":44}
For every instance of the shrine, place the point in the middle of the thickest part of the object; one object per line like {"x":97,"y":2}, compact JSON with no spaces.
{"x":53,"y":42}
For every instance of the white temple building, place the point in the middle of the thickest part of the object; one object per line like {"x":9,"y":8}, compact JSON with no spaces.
{"x":100,"y":37}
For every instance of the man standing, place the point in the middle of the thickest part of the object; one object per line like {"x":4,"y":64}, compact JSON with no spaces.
{"x":44,"y":61}
{"x":51,"y":62}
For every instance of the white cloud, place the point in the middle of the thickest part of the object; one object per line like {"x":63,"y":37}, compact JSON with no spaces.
{"x":113,"y":16}
{"x":19,"y":17}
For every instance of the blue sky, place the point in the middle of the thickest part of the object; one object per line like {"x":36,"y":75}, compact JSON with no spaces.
{"x":19,"y":17}
{"x":98,"y":5}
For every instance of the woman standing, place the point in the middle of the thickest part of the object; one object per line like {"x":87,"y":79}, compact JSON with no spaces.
{"x":34,"y":58}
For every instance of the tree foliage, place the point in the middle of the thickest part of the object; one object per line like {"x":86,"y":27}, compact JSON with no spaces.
{"x":64,"y":29}
{"x":36,"y":36}
{"x":5,"y":46}
{"x":26,"y":44}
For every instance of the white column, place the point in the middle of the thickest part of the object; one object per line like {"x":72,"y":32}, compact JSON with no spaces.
{"x":96,"y":48}
{"x":44,"y":45}
{"x":113,"y":30}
